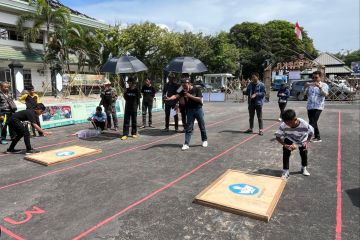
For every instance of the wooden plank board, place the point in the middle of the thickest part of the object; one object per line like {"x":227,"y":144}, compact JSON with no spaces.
{"x":248,"y":194}
{"x":61,"y":155}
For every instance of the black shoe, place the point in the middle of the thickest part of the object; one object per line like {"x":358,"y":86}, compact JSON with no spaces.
{"x":14,"y":151}
{"x":249,"y":131}
{"x":261,"y":133}
{"x":31,"y":151}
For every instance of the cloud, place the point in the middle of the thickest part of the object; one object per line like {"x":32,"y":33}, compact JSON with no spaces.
{"x":333,"y":24}
{"x":181,"y":26}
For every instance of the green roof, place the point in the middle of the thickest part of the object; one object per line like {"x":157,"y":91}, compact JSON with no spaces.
{"x":20,"y":54}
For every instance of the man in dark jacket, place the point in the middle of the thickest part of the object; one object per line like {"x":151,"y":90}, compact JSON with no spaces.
{"x":148,"y":94}
{"x":256,"y":93}
{"x":283,"y":95}
{"x":7,"y":108}
{"x":108,"y":100}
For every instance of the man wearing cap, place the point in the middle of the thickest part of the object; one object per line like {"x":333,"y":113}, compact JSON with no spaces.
{"x":30,"y":99}
{"x":193,"y":103}
{"x":108,"y":100}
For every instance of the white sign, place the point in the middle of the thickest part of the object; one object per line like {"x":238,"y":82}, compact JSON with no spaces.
{"x":19,"y":81}
{"x":59,"y":82}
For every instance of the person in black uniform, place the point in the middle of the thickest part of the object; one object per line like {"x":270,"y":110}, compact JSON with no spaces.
{"x":15,"y":123}
{"x":132,"y":101}
{"x":170,"y":89}
{"x":148,"y":93}
{"x":108,"y":100}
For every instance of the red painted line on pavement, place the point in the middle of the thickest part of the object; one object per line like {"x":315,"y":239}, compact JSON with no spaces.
{"x":99,"y":159}
{"x":338,"y":186}
{"x":81,"y":235}
{"x":10,"y":233}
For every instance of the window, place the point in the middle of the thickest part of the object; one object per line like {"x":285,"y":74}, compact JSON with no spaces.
{"x":27,"y":78}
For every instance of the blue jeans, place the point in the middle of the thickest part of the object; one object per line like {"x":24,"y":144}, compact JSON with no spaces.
{"x":192,"y":114}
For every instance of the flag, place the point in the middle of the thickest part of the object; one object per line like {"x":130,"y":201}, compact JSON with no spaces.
{"x":298,"y":31}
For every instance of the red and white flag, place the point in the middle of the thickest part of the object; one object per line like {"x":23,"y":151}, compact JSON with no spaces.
{"x":298,"y":31}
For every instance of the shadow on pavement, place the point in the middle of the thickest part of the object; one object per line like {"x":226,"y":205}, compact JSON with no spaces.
{"x":233,"y":131}
{"x":354,"y":195}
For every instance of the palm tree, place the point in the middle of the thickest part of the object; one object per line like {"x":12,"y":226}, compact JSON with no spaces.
{"x":44,"y":17}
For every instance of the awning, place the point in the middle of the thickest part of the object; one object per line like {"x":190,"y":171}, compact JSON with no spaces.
{"x":20,"y":54}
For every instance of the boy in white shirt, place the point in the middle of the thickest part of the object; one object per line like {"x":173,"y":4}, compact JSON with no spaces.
{"x":294,"y":132}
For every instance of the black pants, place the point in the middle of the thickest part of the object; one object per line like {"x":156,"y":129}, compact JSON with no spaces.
{"x":314,"y":115}
{"x":287,"y":154}
{"x":111,"y":112}
{"x":130,"y":115}
{"x":98,"y":124}
{"x":147,"y":107}
{"x":183,"y":115}
{"x":282,"y":107}
{"x":4,"y":126}
{"x":21,"y":131}
{"x":258,"y":108}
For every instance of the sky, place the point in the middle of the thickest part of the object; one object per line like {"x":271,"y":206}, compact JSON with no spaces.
{"x":334,"y":25}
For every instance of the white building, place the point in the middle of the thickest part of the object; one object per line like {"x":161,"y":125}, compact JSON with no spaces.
{"x":12,"y":47}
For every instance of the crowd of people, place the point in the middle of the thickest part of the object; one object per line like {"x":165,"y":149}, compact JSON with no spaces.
{"x":185,"y":99}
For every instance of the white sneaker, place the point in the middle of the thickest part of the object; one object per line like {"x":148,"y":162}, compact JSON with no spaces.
{"x":280,"y":120}
{"x":285,"y":175}
{"x":185,"y":147}
{"x":304,"y":171}
{"x":204,"y":143}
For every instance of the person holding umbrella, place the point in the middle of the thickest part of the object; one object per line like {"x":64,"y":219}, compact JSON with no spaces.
{"x":148,"y":94}
{"x":170,"y":89}
{"x":108,"y":100}
{"x":132,"y":101}
{"x":193,"y":103}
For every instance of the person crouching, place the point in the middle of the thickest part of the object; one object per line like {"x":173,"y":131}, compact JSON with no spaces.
{"x":99,"y":119}
{"x":16,"y":124}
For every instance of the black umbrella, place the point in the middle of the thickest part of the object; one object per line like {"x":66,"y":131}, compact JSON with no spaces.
{"x":185,"y":65}
{"x":124,"y":64}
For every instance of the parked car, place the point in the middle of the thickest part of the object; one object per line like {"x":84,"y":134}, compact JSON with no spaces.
{"x":205,"y":87}
{"x":298,"y":89}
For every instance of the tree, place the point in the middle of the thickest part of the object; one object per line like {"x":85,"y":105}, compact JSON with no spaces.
{"x":224,"y":56}
{"x":275,"y":41}
{"x":43,"y":20}
{"x":349,"y":56}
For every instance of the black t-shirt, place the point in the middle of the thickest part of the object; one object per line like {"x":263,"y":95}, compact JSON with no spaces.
{"x":25,"y":115}
{"x":148,"y":93}
{"x":132,"y":98}
{"x":189,"y":103}
{"x":170,"y":89}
